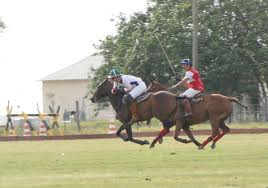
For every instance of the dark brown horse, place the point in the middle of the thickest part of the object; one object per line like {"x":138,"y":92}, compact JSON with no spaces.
{"x":160,"y":105}
{"x":213,"y":107}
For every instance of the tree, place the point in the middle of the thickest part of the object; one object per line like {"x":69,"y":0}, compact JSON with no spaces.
{"x":230,"y":36}
{"x":232,"y":44}
{"x":172,"y":21}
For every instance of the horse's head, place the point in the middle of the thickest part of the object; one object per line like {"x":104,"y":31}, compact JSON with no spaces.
{"x":156,"y":86}
{"x":103,"y":90}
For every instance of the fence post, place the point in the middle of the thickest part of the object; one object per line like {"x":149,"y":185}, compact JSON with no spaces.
{"x":77,"y":115}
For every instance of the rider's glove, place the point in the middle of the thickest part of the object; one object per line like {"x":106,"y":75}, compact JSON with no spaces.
{"x":121,"y":88}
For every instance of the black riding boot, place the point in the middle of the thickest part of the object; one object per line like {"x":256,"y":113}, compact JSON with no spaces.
{"x":127,"y":99}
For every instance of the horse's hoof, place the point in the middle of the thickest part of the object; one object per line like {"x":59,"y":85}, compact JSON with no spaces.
{"x":152,"y":146}
{"x":200,"y":147}
{"x":125,"y":139}
{"x":146,"y":142}
{"x":213,"y":146}
{"x":160,"y":141}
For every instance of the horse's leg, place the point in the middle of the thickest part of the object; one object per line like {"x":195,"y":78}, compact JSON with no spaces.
{"x":159,"y":138}
{"x":187,"y":131}
{"x":118,"y":133}
{"x":225,"y":130}
{"x":130,"y":137}
{"x":166,"y":126}
{"x":177,"y":138}
{"x":190,"y":135}
{"x":215,"y":132}
{"x":177,"y":132}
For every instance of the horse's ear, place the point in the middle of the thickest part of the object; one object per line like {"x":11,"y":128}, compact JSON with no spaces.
{"x":107,"y":80}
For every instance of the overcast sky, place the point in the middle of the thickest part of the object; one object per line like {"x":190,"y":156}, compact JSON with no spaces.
{"x":44,"y":36}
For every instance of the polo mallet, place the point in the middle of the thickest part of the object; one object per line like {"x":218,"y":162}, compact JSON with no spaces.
{"x":164,"y":51}
{"x":133,"y":50}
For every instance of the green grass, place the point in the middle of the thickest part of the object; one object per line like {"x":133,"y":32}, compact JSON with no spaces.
{"x":239,"y":161}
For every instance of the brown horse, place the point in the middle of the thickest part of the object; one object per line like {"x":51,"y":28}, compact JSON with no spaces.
{"x":213,"y":107}
{"x":160,"y":105}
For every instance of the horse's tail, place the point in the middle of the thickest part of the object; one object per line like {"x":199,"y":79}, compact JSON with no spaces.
{"x":233,"y":99}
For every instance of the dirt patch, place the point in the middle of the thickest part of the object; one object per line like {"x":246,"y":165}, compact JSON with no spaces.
{"x":137,"y":134}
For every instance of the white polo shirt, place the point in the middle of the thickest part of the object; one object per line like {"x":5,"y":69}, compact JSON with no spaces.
{"x":129,"y":81}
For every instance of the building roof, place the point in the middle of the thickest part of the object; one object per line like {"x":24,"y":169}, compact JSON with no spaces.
{"x":78,"y":71}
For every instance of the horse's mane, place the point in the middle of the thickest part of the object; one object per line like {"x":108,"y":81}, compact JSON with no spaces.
{"x":102,"y":82}
{"x":160,"y":85}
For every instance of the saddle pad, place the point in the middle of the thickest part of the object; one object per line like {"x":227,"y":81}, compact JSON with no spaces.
{"x":197,"y":99}
{"x":142,"y":97}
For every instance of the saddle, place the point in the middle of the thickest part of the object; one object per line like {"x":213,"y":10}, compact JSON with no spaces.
{"x":197,"y":98}
{"x":142,"y":97}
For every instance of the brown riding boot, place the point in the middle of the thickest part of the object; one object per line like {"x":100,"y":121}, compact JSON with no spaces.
{"x":187,"y":108}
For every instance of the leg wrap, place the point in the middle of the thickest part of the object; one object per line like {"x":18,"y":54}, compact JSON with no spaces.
{"x":162,"y":133}
{"x":219,"y":136}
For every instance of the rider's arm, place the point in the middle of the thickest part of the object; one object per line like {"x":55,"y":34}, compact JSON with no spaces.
{"x":126,"y":81}
{"x":182,"y":82}
{"x":188,"y":77}
{"x":128,"y":87}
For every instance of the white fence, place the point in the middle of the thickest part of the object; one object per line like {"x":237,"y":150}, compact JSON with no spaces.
{"x":257,"y":110}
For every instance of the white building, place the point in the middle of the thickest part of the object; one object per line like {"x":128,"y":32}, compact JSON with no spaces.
{"x":69,"y":85}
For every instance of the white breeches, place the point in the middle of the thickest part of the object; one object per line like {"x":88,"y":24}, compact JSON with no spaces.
{"x":138,"y":90}
{"x":190,"y":93}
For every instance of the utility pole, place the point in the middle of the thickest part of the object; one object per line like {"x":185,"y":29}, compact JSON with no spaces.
{"x":194,"y":36}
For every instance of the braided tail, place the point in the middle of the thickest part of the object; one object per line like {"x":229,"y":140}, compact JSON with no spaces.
{"x":233,"y":99}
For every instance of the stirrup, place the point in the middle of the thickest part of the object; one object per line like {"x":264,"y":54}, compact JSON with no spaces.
{"x":188,"y":115}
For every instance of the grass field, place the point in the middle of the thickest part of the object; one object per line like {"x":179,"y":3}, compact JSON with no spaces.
{"x":238,"y":161}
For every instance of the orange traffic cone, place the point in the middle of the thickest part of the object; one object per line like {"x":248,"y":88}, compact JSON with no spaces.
{"x":112,"y":129}
{"x":42,"y":129}
{"x":26,"y":129}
